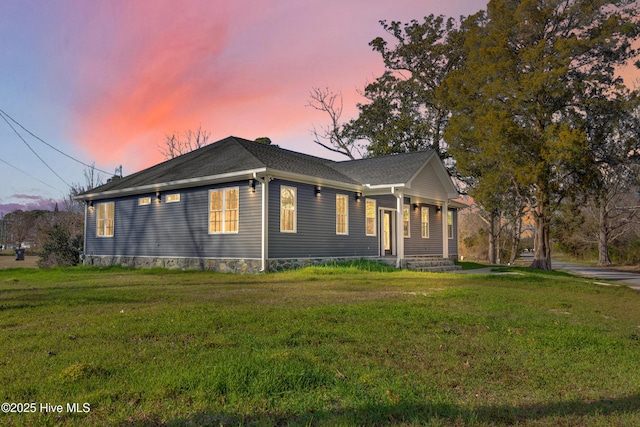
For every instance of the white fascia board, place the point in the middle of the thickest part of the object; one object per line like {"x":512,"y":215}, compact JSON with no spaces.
{"x":172,"y":185}
{"x":381,"y":189}
{"x":429,"y":201}
{"x":384,"y":186}
{"x":457,"y":205}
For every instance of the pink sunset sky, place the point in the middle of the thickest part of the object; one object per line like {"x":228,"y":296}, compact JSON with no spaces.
{"x":106,"y":81}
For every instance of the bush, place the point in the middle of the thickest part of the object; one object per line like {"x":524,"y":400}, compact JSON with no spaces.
{"x":60,"y":249}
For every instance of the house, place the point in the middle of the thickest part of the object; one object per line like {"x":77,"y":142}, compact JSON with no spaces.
{"x":242,"y":206}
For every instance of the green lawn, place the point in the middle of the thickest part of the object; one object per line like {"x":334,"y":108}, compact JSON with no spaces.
{"x":320,"y":346}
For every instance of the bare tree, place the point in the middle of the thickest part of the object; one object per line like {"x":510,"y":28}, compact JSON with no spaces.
{"x":332,"y":136}
{"x":20,"y":227}
{"x":92,"y":179}
{"x":616,"y":208}
{"x":176,"y":145}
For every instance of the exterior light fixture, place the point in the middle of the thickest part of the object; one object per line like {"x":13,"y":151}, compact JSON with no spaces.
{"x":318,"y":190}
{"x":252,"y":185}
{"x":358,"y":196}
{"x":438,"y":208}
{"x":158,"y":196}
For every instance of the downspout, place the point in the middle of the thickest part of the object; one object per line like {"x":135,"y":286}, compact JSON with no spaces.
{"x":399,"y":227}
{"x":445,"y":229}
{"x":264,"y":240}
{"x":84,"y":237}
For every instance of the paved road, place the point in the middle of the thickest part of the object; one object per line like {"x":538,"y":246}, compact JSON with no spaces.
{"x":627,"y":278}
{"x":598,"y":273}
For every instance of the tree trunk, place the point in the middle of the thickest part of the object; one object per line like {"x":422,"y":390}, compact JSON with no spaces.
{"x":542,"y":242}
{"x":498,"y":246}
{"x":492,"y":238}
{"x":515,"y":243}
{"x":603,"y":236}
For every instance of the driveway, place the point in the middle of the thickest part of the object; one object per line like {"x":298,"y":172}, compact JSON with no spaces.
{"x":625,"y":278}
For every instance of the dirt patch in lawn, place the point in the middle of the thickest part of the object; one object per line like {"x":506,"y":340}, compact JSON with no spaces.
{"x":30,"y":261}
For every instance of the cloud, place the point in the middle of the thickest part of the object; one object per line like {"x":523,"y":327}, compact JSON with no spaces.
{"x":27,"y":202}
{"x":26,"y":196}
{"x":244,"y":68}
{"x":236,"y":68}
{"x":149,"y":80}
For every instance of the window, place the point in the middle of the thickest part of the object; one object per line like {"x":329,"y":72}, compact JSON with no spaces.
{"x":172,"y":198}
{"x":450,"y":224}
{"x":144,"y":201}
{"x":371,"y":217}
{"x":231,"y":210}
{"x":405,"y":215}
{"x":342,"y":214}
{"x":287,"y":209}
{"x":424,"y":221}
{"x":223,"y":211}
{"x":104,"y":220}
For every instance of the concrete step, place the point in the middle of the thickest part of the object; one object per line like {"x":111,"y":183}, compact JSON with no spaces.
{"x":431,"y":265}
{"x":438,"y":269}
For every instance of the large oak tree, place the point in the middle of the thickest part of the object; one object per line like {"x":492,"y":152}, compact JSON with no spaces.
{"x":403,"y":112}
{"x":519,"y":101}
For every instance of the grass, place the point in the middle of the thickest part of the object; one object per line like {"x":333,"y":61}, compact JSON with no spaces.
{"x":470,"y":265}
{"x":337,"y":345}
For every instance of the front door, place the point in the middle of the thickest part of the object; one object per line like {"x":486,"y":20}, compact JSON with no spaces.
{"x":386,"y":235}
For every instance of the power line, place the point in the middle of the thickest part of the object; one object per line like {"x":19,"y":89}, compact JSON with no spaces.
{"x":26,"y":173}
{"x":33,"y":151}
{"x":49,"y":145}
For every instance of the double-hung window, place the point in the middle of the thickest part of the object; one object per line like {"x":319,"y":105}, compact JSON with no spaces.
{"x":371,"y":217}
{"x":224,"y":210}
{"x":424,"y":221}
{"x":450,"y":224}
{"x":406,"y":215}
{"x":342,"y":214}
{"x":288,"y":218}
{"x":104,"y":219}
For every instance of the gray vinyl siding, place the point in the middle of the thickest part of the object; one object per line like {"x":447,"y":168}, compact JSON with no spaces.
{"x":179,"y":229}
{"x":416,"y":245}
{"x":316,"y":225}
{"x":453,"y":243}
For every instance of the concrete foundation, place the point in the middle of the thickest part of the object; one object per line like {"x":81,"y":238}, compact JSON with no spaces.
{"x":253,"y":266}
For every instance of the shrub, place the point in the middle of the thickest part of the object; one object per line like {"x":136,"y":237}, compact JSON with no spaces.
{"x":60,"y":249}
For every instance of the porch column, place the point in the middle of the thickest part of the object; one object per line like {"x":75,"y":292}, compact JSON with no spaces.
{"x":264,"y":243}
{"x":399,"y":228}
{"x":445,"y":230}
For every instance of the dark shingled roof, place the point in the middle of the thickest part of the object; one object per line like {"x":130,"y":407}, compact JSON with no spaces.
{"x":234,"y":154}
{"x":393,"y":169}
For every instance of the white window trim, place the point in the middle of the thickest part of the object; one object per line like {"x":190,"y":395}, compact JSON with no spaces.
{"x":172,"y":201}
{"x":104,"y":227}
{"x":450,"y":232}
{"x":224,"y":210}
{"x":422,"y":223}
{"x":375,"y":217}
{"x":294,"y":190}
{"x":144,"y":201}
{"x":346,"y":214}
{"x":408,"y":208}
